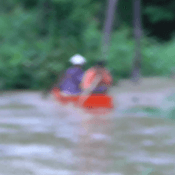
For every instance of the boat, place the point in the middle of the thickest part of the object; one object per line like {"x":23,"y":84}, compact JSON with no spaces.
{"x":64,"y":100}
{"x":96,"y":104}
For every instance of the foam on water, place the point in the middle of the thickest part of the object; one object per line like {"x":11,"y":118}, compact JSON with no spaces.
{"x":26,"y":150}
{"x":5,"y":130}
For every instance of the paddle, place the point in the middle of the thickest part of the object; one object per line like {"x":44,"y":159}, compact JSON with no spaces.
{"x":87,"y":92}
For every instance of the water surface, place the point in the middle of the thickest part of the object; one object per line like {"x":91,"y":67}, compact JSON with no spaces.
{"x":40,"y":137}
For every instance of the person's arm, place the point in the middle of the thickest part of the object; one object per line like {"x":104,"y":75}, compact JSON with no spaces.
{"x":107,"y":80}
{"x":60,"y":79}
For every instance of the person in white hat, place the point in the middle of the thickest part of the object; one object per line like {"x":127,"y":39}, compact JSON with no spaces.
{"x":70,"y":82}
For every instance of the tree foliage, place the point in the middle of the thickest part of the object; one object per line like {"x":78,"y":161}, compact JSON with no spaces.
{"x":39,"y":36}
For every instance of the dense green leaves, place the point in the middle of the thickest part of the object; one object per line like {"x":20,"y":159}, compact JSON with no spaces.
{"x":38,"y":37}
{"x":157,"y":14}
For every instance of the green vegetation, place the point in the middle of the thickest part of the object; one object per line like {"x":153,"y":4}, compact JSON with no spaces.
{"x":39,"y":36}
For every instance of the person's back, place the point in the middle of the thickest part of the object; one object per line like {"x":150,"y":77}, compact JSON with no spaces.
{"x":71,"y":82}
{"x":90,"y":79}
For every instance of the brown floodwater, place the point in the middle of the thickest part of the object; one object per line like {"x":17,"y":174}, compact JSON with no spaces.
{"x":40,"y":137}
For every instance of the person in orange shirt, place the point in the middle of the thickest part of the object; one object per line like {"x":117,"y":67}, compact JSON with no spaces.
{"x":96,"y":80}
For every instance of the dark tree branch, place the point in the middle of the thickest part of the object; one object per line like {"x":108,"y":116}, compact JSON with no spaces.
{"x":137,"y":35}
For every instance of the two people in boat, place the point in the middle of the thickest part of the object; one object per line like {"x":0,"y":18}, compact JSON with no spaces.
{"x":95,"y":80}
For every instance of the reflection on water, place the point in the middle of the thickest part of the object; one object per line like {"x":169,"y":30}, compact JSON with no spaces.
{"x":95,"y":145}
{"x":39,"y":137}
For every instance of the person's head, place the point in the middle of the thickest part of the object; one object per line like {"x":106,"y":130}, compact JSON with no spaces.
{"x":100,"y":65}
{"x":78,"y":60}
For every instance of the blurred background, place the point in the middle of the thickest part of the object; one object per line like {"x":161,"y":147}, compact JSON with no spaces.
{"x":38,"y":136}
{"x":39,"y":36}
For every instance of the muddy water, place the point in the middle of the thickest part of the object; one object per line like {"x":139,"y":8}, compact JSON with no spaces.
{"x":40,"y":137}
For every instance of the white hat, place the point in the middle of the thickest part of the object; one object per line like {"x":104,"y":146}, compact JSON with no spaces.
{"x":77,"y":59}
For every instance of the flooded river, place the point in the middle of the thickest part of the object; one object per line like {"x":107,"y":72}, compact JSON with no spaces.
{"x":40,"y":137}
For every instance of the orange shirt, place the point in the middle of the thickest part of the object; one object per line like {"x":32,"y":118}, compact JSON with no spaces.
{"x":90,"y":75}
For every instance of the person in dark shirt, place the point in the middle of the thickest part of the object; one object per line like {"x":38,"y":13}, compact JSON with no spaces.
{"x":70,"y":82}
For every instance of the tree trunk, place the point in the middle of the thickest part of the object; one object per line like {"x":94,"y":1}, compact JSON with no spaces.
{"x":45,"y":9}
{"x":108,"y":26}
{"x":137,"y":36}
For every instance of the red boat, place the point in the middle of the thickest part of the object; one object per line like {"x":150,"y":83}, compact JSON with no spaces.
{"x":64,"y":99}
{"x":98,"y":104}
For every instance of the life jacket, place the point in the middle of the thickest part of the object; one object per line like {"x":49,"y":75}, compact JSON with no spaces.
{"x":90,"y":75}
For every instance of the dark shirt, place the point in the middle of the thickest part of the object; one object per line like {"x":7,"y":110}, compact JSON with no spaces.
{"x":71,"y":82}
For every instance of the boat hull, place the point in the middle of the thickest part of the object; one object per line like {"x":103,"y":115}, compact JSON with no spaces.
{"x":98,"y":104}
